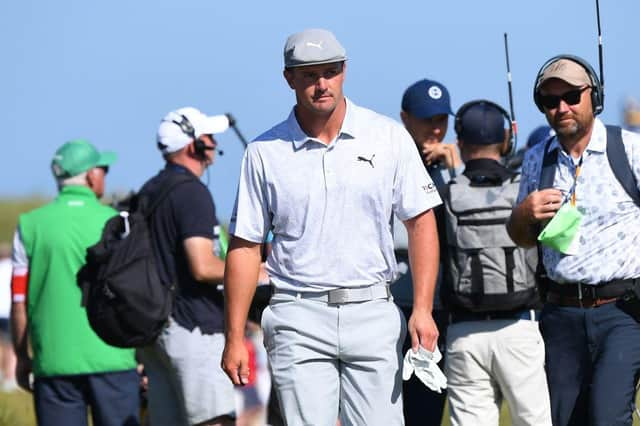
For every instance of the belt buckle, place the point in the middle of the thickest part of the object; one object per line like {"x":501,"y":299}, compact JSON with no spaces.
{"x":589,"y":292}
{"x":338,"y":296}
{"x":580,"y":295}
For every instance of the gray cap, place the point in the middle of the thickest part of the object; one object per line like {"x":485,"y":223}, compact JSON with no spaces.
{"x":312,"y":47}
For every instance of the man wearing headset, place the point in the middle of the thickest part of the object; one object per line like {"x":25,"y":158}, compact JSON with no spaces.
{"x":186,"y":384}
{"x":592,"y":340}
{"x":494,"y":347}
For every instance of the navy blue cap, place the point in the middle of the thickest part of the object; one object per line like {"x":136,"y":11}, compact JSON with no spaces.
{"x":539,"y":134}
{"x":481,"y":124}
{"x":426,"y":98}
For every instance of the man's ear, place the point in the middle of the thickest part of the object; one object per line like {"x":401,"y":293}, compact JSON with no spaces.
{"x":92,"y":176}
{"x":288,"y":76}
{"x":505,"y":147}
{"x":404,"y":117}
{"x":190,"y":149}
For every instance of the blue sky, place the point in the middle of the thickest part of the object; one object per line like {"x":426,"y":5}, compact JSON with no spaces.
{"x":109,"y":71}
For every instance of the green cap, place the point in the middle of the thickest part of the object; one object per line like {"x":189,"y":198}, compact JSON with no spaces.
{"x":78,"y":156}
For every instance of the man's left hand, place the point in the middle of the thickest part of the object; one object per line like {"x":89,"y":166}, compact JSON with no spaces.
{"x":23,"y":373}
{"x":423,"y":330}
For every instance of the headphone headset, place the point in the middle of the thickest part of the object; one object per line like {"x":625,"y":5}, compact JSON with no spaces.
{"x":507,"y":145}
{"x":597,"y":91}
{"x":187,"y":128}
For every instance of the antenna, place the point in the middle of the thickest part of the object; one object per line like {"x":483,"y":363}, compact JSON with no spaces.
{"x":234,"y":126}
{"x":514,"y":123}
{"x":600,"y":51}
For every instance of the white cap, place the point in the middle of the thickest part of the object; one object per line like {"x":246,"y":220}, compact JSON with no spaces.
{"x":180,"y":127}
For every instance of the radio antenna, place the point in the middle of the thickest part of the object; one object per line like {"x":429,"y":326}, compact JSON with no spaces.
{"x":514,"y":123}
{"x":600,"y":51}
{"x":233,"y":124}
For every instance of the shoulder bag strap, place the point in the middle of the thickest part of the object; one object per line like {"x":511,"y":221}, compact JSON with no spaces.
{"x":619,"y":163}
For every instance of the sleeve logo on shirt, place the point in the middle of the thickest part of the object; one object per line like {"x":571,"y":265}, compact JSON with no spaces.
{"x":429,"y":188}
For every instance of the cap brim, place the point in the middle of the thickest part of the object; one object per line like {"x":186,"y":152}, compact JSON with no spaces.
{"x":431,"y":112}
{"x":107,"y":158}
{"x":307,"y":64}
{"x":570,"y":81}
{"x":213,"y":125}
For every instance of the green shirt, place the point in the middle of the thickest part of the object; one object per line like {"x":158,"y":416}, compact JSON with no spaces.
{"x":55,"y":238}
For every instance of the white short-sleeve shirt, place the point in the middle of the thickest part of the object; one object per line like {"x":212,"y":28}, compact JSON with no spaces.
{"x":330,"y":206}
{"x":609,"y":237}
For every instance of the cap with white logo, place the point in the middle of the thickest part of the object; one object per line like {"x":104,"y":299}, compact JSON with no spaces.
{"x":426,"y":98}
{"x":312,"y":47}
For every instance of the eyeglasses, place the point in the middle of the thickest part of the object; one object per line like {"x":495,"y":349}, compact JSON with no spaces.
{"x":572,"y":97}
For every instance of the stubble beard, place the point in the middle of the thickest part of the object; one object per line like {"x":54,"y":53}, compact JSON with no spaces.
{"x":570,"y":132}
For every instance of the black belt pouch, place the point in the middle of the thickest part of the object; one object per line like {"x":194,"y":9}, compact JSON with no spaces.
{"x":629,"y":302}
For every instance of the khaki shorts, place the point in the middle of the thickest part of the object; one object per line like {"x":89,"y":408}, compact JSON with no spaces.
{"x":186,"y":383}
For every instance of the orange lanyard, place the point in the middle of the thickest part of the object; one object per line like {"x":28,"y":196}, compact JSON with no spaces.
{"x":575,"y":182}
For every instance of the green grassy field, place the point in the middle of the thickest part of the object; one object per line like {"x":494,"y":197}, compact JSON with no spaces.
{"x":10,"y":209}
{"x":16,"y":409}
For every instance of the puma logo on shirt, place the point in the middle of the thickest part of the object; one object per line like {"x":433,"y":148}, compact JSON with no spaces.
{"x":367,"y":160}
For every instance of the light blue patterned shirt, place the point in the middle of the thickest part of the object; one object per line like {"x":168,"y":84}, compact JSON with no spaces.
{"x":609,"y":244}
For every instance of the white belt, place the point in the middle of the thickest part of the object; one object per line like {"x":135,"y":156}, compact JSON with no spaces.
{"x":341,"y":296}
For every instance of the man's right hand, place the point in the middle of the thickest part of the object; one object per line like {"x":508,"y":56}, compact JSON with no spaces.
{"x":541,"y":205}
{"x":235,"y":361}
{"x":433,"y":153}
{"x":23,"y":372}
{"x":537,"y":207}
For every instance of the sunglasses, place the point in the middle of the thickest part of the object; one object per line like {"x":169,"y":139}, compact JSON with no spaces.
{"x":572,"y":97}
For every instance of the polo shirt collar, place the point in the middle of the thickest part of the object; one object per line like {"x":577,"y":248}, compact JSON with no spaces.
{"x":597,"y":143}
{"x":299,"y":137}
{"x":77,"y":191}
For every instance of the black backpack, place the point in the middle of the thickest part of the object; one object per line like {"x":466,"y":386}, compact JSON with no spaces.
{"x":127,"y":303}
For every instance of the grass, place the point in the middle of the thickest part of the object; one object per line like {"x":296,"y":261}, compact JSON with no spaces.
{"x":11,"y":208}
{"x":505,"y":419}
{"x":16,"y":409}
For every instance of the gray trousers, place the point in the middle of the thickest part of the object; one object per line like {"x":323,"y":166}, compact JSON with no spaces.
{"x":336,"y":361}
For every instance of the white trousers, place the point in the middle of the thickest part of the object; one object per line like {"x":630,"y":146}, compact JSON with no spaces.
{"x":330,"y":361}
{"x":490,"y":360}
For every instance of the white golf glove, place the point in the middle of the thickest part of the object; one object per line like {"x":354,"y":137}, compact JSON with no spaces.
{"x":424,"y":364}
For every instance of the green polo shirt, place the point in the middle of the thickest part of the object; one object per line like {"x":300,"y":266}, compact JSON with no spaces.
{"x":55,"y":238}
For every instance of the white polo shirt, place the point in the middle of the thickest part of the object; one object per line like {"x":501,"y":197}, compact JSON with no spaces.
{"x":330,"y":206}
{"x":609,"y":239}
